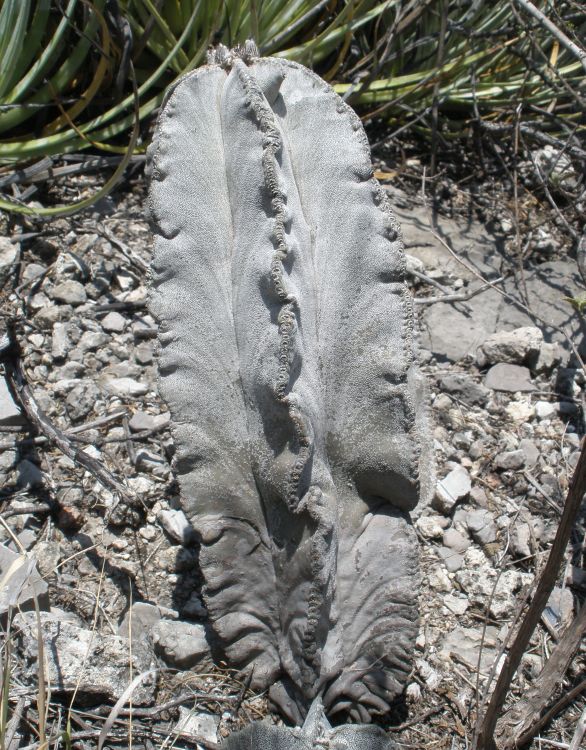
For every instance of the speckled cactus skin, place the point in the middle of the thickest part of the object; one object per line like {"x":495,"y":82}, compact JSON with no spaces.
{"x":287,"y":359}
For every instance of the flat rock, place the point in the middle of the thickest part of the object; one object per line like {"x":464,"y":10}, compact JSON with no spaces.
{"x":455,"y":540}
{"x":182,"y":644}
{"x":69,"y":292}
{"x":509,"y":378}
{"x":468,"y":645}
{"x":105,"y":659}
{"x":162,"y":420}
{"x":197,"y":724}
{"x":465,"y":388}
{"x":516,"y":347}
{"x":141,"y":618}
{"x":21,"y":583}
{"x":451,"y":330}
{"x":456,"y":604}
{"x":455,"y":486}
{"x":140,"y":421}
{"x":481,"y":526}
{"x":511,"y":460}
{"x":125,"y":387}
{"x":470,"y":240}
{"x":114,"y":322}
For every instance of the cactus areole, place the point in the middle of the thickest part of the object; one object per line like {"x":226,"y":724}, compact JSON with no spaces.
{"x":288,"y":361}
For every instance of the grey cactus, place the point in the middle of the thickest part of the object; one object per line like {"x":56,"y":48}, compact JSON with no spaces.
{"x":316,"y":732}
{"x":287,"y":359}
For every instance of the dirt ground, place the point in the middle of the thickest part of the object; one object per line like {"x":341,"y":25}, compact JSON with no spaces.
{"x":74,"y":293}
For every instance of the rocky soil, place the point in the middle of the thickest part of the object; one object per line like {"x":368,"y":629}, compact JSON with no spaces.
{"x":115,"y":582}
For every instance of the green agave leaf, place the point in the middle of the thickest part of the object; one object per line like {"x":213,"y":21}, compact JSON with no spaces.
{"x":62,"y":78}
{"x":13,"y":23}
{"x":66,"y":210}
{"x":46,"y":49}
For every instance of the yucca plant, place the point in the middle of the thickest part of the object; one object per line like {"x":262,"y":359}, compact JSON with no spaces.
{"x":82,"y":74}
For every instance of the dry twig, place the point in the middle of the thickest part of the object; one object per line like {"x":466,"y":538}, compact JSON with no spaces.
{"x":558,"y":706}
{"x":521,"y":719}
{"x":579,"y":732}
{"x":17,"y":381}
{"x":573,"y":48}
{"x":485,"y":728}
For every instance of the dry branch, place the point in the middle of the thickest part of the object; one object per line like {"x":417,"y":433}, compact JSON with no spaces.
{"x":17,"y":381}
{"x":485,"y":729}
{"x":579,"y":732}
{"x":565,"y":700}
{"x":565,"y":41}
{"x":521,"y":720}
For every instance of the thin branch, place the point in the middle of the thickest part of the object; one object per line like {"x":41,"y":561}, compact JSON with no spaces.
{"x":558,"y":706}
{"x":73,"y":432}
{"x":533,"y":131}
{"x":26,"y":509}
{"x":11,"y":740}
{"x":458,"y":297}
{"x":416,"y":719}
{"x":579,"y":732}
{"x":17,"y":381}
{"x":521,"y":720}
{"x":485,"y":728}
{"x":153,"y":711}
{"x":565,"y":41}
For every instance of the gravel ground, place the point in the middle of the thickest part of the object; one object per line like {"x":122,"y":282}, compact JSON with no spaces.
{"x":115,"y":576}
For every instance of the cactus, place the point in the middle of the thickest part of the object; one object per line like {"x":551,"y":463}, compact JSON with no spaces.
{"x":287,"y":359}
{"x":316,"y":732}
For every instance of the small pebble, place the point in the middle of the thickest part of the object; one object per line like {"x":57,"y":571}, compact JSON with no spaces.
{"x":455,"y":541}
{"x":509,"y":378}
{"x":545,"y":409}
{"x":141,"y":421}
{"x":482,"y":526}
{"x":114,"y":322}
{"x":511,"y":460}
{"x":69,"y":292}
{"x":144,"y":353}
{"x":125,"y":387}
{"x":455,"y":486}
